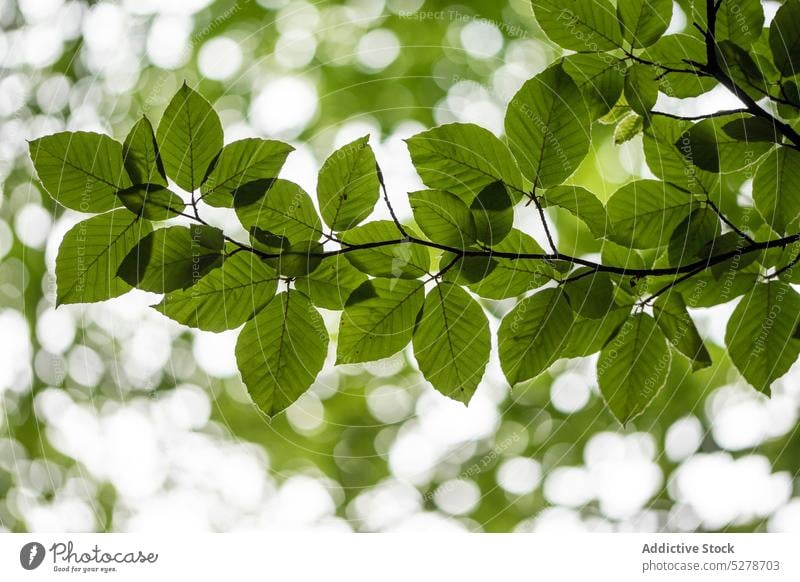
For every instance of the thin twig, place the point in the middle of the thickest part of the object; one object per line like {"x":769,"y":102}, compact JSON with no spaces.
{"x":720,"y":113}
{"x":727,"y":221}
{"x":397,"y":223}
{"x":542,"y":216}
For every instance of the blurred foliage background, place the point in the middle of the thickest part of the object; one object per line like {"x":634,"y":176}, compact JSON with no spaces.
{"x":114,"y":418}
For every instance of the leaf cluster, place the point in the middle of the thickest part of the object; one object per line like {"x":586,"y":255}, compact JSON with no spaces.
{"x":679,"y":240}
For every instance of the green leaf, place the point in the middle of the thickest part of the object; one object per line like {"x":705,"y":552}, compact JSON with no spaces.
{"x":493,"y":213}
{"x":727,"y":144}
{"x":91,"y":252}
{"x":672,"y":51}
{"x":443,"y":217}
{"x":591,"y":296}
{"x":740,"y":66}
{"x":628,"y":127}
{"x":463,"y":159}
{"x":625,"y":257}
{"x":786,"y":261}
{"x":279,"y":207}
{"x":281,"y":351}
{"x":172,"y":258}
{"x":728,"y":242}
{"x":705,"y":290}
{"x":513,"y":277}
{"x":689,"y":239}
{"x":331,"y":283}
{"x":667,"y":162}
{"x":467,"y":270}
{"x":378,"y":319}
{"x":226,"y":297}
{"x":533,"y":335}
{"x":189,"y":138}
{"x":739,"y":21}
{"x":298,"y":260}
{"x":620,"y":110}
{"x":784,"y":38}
{"x":641,"y":88}
{"x":599,"y":78}
{"x":580,"y":203}
{"x":677,"y":325}
{"x":644,"y":213}
{"x":151,"y":201}
{"x":348,"y":184}
{"x":452,"y":342}
{"x":403,"y":260}
{"x":240,"y":163}
{"x":633,"y":367}
{"x":588,"y":336}
{"x":579,"y":25}
{"x":643,"y":22}
{"x":761,"y":334}
{"x":776,"y":187}
{"x":548,"y":127}
{"x":80,"y":170}
{"x":141,"y":157}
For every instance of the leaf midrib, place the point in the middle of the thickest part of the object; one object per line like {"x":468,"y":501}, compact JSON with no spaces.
{"x":391,"y":311}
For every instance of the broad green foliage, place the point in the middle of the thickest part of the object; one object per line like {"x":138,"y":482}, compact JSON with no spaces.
{"x":775,"y":189}
{"x":616,"y":273}
{"x":547,"y":124}
{"x":677,"y":325}
{"x":691,"y":238}
{"x":82,"y":171}
{"x":579,"y":25}
{"x":762,"y":333}
{"x":391,"y":260}
{"x":740,"y":21}
{"x":463,"y":159}
{"x":784,"y":38}
{"x":533,"y":334}
{"x":582,"y":204}
{"x":172,"y":258}
{"x":378,"y":319}
{"x":728,"y":144}
{"x":443,"y":217}
{"x":513,"y":277}
{"x":226,"y":297}
{"x":599,"y":79}
{"x":189,"y":138}
{"x":591,"y":294}
{"x":633,"y":367}
{"x":91,"y":252}
{"x":452,"y":341}
{"x":493,"y":212}
{"x":641,"y":88}
{"x":644,"y":213}
{"x":151,"y":201}
{"x":279,"y":207}
{"x":672,"y":51}
{"x":241,"y":163}
{"x":141,"y":156}
{"x":331,"y":283}
{"x":348,"y":184}
{"x":642,"y":22}
{"x":281,"y":351}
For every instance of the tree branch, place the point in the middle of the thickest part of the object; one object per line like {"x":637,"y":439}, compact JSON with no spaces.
{"x":713,"y":69}
{"x":720,"y":113}
{"x":397,"y":223}
{"x":725,"y":219}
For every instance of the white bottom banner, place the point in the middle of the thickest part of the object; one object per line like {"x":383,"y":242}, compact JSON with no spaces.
{"x":393,"y":557}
